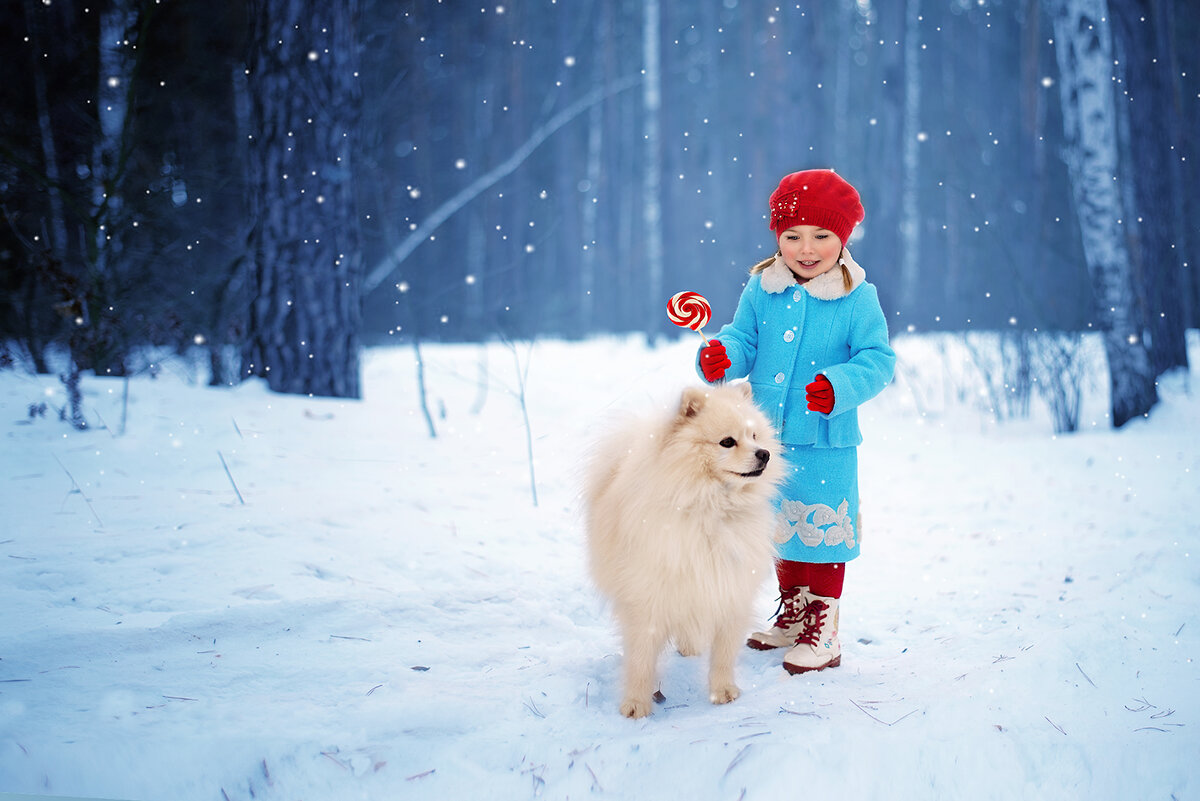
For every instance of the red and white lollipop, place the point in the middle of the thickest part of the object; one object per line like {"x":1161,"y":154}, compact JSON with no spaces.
{"x":690,"y":310}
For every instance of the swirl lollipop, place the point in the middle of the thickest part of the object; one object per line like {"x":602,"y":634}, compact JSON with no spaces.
{"x":689,"y":310}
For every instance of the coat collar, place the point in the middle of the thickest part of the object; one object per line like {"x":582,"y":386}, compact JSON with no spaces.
{"x":777,"y":278}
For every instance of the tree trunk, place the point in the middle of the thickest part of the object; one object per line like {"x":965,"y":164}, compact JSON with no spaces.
{"x":652,"y":169}
{"x":1083,"y":48}
{"x":595,"y":152}
{"x":910,"y":225}
{"x":116,"y":53}
{"x":1152,"y":123}
{"x":305,"y":100}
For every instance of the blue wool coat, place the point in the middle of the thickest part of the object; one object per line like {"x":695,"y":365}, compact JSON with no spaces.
{"x":782,"y":336}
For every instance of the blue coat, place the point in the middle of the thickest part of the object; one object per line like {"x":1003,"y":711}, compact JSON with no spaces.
{"x":784,"y":334}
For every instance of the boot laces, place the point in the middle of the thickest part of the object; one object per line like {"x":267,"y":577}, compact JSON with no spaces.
{"x":790,"y":609}
{"x":813,"y":616}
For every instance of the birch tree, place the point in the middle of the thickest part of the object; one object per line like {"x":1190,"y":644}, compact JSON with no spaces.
{"x":652,"y":168}
{"x":1083,"y":49}
{"x":910,"y":226}
{"x":305,"y":310}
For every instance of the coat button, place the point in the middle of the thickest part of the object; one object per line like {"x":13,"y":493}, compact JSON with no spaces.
{"x":796,"y":295}
{"x":789,"y":335}
{"x":779,"y":378}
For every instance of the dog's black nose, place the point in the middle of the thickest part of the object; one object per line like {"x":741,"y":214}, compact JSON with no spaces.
{"x":763,"y":455}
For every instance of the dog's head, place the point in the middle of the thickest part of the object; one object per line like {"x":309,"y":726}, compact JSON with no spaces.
{"x":728,"y":434}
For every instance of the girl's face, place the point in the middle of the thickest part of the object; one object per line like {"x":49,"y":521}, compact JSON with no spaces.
{"x":809,"y":251}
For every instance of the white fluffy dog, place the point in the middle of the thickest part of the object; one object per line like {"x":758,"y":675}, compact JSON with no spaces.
{"x":679,"y":520}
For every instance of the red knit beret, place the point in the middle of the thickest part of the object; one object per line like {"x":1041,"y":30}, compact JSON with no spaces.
{"x":816,"y":197}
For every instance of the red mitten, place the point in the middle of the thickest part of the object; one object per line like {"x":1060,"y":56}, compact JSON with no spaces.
{"x":820,"y":395}
{"x":714,"y":361}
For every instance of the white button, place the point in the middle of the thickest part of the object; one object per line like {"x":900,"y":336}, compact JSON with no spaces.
{"x":779,"y":378}
{"x":796,"y":296}
{"x":789,"y":335}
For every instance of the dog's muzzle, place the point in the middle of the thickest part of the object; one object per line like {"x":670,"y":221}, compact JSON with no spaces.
{"x":763,"y":456}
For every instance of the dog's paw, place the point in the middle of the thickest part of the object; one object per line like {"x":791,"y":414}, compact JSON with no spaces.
{"x":724,"y":694}
{"x":635,"y":707}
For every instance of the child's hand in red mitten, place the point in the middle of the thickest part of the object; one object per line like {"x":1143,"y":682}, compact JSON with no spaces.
{"x":714,"y":361}
{"x":820,"y":395}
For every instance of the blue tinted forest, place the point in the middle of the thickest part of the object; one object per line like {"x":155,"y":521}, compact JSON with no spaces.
{"x":281,"y":182}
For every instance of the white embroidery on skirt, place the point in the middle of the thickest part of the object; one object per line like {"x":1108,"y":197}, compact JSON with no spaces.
{"x":815,"y":523}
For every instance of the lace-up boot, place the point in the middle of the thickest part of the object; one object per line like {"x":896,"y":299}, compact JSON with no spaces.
{"x":817,"y":645}
{"x":788,"y":624}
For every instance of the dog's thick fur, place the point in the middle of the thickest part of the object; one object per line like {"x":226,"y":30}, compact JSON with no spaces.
{"x":679,"y":522}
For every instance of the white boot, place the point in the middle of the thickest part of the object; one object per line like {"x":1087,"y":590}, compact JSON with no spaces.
{"x":817,"y":645}
{"x":788,"y":623}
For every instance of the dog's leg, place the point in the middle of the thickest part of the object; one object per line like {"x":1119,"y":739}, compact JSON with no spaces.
{"x":726,"y":644}
{"x":685,"y":645}
{"x":642,"y":647}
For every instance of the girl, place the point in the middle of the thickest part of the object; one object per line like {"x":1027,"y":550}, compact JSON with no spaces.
{"x":811,"y":336}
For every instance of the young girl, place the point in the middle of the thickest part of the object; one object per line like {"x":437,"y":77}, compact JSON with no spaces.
{"x":811,"y":336}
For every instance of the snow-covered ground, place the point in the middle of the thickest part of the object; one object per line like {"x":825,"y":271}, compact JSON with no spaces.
{"x":385,"y":615}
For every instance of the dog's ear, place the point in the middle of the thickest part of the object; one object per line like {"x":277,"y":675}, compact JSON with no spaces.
{"x":692,"y":402}
{"x":745,"y":389}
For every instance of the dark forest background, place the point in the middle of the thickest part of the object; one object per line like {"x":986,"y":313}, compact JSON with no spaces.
{"x":281,"y":181}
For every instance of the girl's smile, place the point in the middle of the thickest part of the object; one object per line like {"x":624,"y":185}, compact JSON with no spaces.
{"x":809,"y":251}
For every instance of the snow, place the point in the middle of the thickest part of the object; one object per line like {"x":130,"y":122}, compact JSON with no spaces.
{"x":389,"y":615}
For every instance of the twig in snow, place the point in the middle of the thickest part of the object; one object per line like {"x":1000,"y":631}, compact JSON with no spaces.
{"x":1086,"y":676}
{"x":416,"y":776}
{"x":578,"y":752}
{"x":125,"y":405}
{"x":752,"y":736}
{"x":335,"y":760}
{"x":241,"y":500}
{"x":596,"y":785}
{"x":737,"y":759}
{"x":373,"y":689}
{"x":522,"y":377}
{"x":877,"y":720}
{"x":225,"y":795}
{"x":236,"y":428}
{"x":104,"y":423}
{"x":535,"y":772}
{"x":532,"y":707}
{"x":1151,"y":728}
{"x":1055,"y":725}
{"x":77,"y":488}
{"x":801,"y":714}
{"x":1181,"y":625}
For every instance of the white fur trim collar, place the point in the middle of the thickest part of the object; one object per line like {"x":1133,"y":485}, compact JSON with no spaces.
{"x":777,"y":278}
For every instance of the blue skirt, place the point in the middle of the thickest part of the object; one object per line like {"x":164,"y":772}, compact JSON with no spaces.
{"x":818,"y":505}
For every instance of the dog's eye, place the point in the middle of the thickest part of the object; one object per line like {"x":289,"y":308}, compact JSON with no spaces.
{"x":728,"y":442}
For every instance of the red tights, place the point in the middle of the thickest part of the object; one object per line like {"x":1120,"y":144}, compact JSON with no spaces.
{"x":824,"y":580}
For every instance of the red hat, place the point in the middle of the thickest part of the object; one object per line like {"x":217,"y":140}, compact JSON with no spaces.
{"x":816,"y":197}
